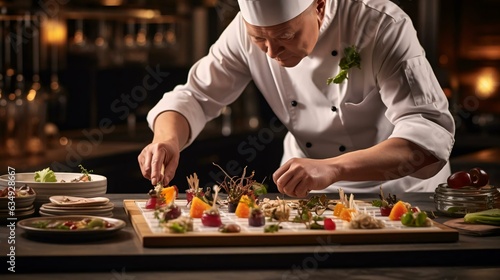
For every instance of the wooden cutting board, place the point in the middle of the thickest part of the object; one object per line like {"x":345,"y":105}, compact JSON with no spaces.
{"x":473,"y":229}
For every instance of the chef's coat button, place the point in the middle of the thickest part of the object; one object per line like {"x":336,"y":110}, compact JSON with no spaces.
{"x":334,"y":53}
{"x":342,"y":148}
{"x":334,"y":109}
{"x":294,"y":103}
{"x":309,"y":145}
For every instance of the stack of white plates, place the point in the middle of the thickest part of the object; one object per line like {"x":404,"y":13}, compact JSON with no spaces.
{"x":69,"y":205}
{"x":96,"y":187}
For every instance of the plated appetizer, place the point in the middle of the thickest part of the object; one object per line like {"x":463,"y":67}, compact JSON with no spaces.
{"x":65,"y":224}
{"x":47,"y":175}
{"x":203,"y":209}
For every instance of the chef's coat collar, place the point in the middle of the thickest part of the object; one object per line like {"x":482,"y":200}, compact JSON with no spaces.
{"x":330,"y":13}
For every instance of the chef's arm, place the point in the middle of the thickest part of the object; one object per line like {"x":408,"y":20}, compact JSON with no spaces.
{"x":171,"y":133}
{"x":391,"y":159}
{"x":172,"y":127}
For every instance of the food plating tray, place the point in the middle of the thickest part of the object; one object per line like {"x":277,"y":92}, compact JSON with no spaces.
{"x":151,"y":234}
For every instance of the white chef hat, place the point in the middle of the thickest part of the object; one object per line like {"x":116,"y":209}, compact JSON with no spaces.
{"x":271,"y":12}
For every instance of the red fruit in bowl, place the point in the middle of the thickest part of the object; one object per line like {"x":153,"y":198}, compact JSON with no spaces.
{"x":459,"y":180}
{"x":479,"y":177}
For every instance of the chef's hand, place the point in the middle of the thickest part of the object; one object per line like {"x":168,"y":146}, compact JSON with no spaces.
{"x":156,"y":154}
{"x":298,"y":176}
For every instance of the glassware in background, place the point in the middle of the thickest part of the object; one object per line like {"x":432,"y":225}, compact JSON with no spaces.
{"x":79,"y":38}
{"x":101,"y":42}
{"x":3,"y":98}
{"x":171,"y":36}
{"x":129,"y":37}
{"x":142,"y":36}
{"x":36,"y":98}
{"x":57,"y":102}
{"x":14,"y":109}
{"x":158,"y":36}
{"x":55,"y":32}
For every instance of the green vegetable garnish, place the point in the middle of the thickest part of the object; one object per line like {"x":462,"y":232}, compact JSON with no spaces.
{"x":85,"y":173}
{"x":177,"y":228}
{"x":351,"y":59}
{"x":95,"y":223}
{"x":45,"y":175}
{"x":272,"y":228}
{"x":490,"y":217}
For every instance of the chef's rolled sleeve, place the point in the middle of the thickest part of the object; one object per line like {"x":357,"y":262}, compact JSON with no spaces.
{"x":416,"y":104}
{"x":430,"y":136}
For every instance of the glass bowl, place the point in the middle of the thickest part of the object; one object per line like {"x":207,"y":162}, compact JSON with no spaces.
{"x":458,"y":202}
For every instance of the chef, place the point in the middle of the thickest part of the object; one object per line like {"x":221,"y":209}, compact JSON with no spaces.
{"x":385,"y":123}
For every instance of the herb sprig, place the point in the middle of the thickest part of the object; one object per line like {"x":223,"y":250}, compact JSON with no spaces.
{"x":351,"y":59}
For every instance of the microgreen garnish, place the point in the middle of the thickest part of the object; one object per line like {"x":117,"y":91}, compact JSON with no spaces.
{"x":351,"y":59}
{"x":85,"y":173}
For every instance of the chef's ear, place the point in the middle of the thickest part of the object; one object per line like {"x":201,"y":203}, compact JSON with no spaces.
{"x":320,"y":9}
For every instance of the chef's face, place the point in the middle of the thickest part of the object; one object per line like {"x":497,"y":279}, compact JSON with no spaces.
{"x":289,"y":42}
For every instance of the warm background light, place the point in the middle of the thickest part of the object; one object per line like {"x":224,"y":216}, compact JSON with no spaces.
{"x":485,"y":85}
{"x":54,"y":32}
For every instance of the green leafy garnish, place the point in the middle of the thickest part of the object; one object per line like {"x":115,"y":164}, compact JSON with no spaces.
{"x":85,"y":173}
{"x":490,"y":217}
{"x":272,"y":228}
{"x":351,"y":59}
{"x":45,"y":175}
{"x":388,"y":201}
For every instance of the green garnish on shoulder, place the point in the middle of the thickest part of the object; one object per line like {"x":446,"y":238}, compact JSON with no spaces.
{"x":351,"y":59}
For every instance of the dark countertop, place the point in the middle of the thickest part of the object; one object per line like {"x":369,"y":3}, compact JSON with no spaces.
{"x":123,"y":255}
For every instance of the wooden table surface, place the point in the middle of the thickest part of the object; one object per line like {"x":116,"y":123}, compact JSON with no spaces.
{"x":124,"y":252}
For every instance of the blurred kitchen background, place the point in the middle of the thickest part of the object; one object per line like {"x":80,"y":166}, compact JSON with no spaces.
{"x":77,"y":78}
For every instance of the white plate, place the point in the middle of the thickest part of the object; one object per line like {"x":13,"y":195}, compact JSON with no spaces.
{"x":73,"y":210}
{"x":29,"y":179}
{"x":107,"y":206}
{"x":96,"y":187}
{"x":46,"y":198}
{"x":45,"y":212}
{"x":64,"y":200}
{"x":20,"y":201}
{"x":21,"y":214}
{"x":18,"y":209}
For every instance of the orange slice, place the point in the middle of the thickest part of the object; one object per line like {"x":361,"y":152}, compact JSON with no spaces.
{"x":198,"y":206}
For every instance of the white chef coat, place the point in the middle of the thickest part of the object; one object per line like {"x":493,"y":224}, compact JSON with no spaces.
{"x":394,"y":94}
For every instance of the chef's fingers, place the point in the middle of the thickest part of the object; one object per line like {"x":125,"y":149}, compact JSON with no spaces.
{"x":295,"y":186}
{"x":157,"y":161}
{"x":144,"y":159}
{"x":290,"y":183}
{"x":277,"y":176}
{"x":281,"y":178}
{"x":172,"y":161}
